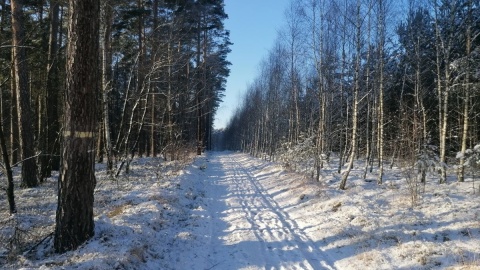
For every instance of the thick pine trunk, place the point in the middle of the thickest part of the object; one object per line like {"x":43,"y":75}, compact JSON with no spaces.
{"x":74,"y":220}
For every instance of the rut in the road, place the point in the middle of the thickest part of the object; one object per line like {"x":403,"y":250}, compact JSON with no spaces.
{"x":257,"y":232}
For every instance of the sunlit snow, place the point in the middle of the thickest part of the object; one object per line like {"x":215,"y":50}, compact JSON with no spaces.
{"x":231,"y":211}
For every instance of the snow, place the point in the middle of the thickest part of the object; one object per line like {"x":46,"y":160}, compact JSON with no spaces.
{"x":228,"y":210}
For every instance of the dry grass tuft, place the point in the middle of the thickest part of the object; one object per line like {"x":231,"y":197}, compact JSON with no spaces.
{"x":117,"y":211}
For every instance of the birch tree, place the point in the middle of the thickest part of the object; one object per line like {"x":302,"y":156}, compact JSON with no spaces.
{"x":356,"y":88}
{"x":381,"y":13}
{"x":445,"y":12}
{"x":466,"y":63}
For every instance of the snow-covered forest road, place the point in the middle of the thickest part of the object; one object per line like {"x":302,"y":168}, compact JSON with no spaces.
{"x":229,"y":211}
{"x":252,"y":214}
{"x":250,"y":230}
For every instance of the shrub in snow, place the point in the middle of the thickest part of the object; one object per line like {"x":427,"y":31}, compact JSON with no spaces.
{"x":428,"y":161}
{"x":14,"y":237}
{"x":299,"y":156}
{"x":472,"y":157}
{"x":472,"y":160}
{"x":303,"y":156}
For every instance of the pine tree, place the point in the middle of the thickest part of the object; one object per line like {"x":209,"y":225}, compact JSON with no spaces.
{"x":25,"y":116}
{"x":74,"y":220}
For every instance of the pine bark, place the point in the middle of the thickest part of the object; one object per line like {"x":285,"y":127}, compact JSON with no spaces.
{"x":74,"y":220}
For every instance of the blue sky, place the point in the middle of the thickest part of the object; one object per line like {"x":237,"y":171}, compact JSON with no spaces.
{"x":253,"y":26}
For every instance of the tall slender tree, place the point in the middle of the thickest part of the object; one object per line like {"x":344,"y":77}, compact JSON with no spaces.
{"x":445,"y":22}
{"x":466,"y":89}
{"x":356,"y":100}
{"x":8,"y":172}
{"x":381,"y":29}
{"x":50,"y":128}
{"x":107,"y":9}
{"x":29,"y":165}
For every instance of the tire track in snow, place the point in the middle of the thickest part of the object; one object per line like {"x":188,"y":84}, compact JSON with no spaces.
{"x":279,"y":241}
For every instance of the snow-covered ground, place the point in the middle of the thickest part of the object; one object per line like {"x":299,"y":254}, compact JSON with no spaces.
{"x":230,"y":211}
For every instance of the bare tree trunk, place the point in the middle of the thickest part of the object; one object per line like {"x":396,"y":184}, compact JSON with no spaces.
{"x":49,"y":87}
{"x":153,"y":116}
{"x":353,"y":143}
{"x":466,"y":101}
{"x":4,"y":111}
{"x":367,"y":85}
{"x":343,"y":127}
{"x":124,"y":141}
{"x":381,"y":48}
{"x":5,"y":96}
{"x":15,"y":128}
{"x":318,"y":54}
{"x":52,"y":95}
{"x":106,"y":28}
{"x":440,"y":92}
{"x":121,"y":133}
{"x":74,"y":219}
{"x":169,"y":101}
{"x":131,"y":150}
{"x":419,"y":144}
{"x":29,"y":165}
{"x":444,"y":45}
{"x":198,"y":94}
{"x":8,"y":171}
{"x":141,"y":68}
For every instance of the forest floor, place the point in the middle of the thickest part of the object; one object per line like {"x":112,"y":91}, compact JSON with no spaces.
{"x":231,"y":211}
